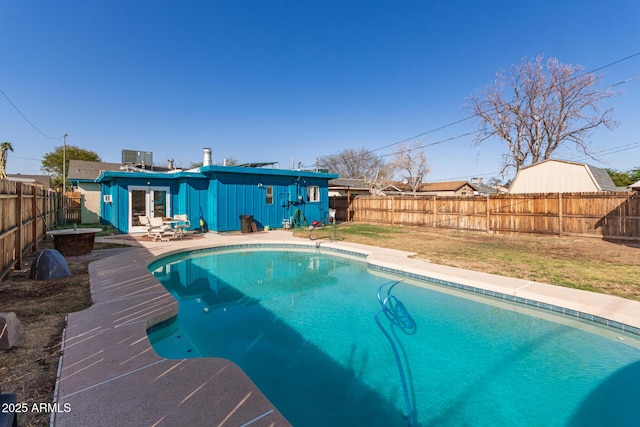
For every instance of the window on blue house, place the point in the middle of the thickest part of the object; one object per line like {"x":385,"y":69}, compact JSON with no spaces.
{"x":313,"y":193}
{"x":269,"y":194}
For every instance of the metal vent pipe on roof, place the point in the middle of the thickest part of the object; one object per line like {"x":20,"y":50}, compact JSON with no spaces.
{"x":207,"y":157}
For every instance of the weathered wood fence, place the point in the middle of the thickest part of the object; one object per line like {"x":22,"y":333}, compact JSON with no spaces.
{"x":26,"y":212}
{"x":73,"y":206}
{"x":604,"y":215}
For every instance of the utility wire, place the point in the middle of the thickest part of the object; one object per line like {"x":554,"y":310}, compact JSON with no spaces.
{"x":475,"y":115}
{"x":613,"y":63}
{"x":422,"y":146}
{"x":612,"y":150}
{"x":26,"y":119}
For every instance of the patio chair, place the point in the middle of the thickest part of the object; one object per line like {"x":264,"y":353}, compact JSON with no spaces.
{"x":146,"y":222}
{"x":158,"y":229}
{"x":182,"y":225}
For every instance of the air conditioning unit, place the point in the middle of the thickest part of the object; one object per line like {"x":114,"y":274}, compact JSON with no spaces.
{"x":107,"y":198}
{"x":138,"y":158}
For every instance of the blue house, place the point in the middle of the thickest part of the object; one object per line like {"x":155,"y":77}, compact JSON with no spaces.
{"x":217,"y":195}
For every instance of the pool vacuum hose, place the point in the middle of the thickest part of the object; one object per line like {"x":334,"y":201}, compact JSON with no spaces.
{"x":398,"y":315}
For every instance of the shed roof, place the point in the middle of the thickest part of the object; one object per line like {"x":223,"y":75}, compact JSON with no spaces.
{"x":601,"y":178}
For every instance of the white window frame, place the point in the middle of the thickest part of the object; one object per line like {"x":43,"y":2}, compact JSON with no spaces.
{"x":269,"y":194}
{"x":313,"y":193}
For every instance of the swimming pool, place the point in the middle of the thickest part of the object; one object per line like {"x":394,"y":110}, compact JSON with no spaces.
{"x":301,"y":325}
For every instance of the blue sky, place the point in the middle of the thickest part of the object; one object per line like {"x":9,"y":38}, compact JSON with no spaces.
{"x":289,"y":81}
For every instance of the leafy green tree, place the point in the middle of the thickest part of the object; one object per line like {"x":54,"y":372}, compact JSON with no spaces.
{"x":620,"y":179}
{"x":4,"y":148}
{"x":623,"y":179}
{"x":52,"y":162}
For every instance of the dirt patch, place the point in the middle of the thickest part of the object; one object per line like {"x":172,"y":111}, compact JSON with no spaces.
{"x":29,"y":368}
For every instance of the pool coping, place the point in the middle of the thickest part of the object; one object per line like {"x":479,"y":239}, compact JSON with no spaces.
{"x":107,"y":362}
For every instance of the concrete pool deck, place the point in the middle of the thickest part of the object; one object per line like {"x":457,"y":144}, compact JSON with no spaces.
{"x":110,"y":375}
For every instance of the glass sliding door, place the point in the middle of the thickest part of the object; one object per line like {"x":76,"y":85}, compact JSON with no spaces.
{"x":138,"y":206}
{"x":147,"y":201}
{"x":160,"y":202}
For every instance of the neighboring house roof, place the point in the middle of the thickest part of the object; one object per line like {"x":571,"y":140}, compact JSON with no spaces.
{"x":44,"y":180}
{"x":348,"y":183}
{"x":445,"y":186}
{"x":482,"y":188}
{"x":635,"y":186}
{"x":84,"y":170}
{"x":431,"y":187}
{"x":598,"y":177}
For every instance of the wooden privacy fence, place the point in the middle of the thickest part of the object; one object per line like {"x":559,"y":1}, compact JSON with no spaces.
{"x":73,"y":206}
{"x":26,"y":212}
{"x":607,"y":215}
{"x":342,"y":205}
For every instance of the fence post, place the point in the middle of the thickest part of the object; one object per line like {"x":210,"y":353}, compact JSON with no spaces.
{"x":393,"y":210}
{"x":18,"y":243}
{"x":488,"y":214}
{"x":35,"y":216}
{"x":435,"y":211}
{"x":560,"y":220}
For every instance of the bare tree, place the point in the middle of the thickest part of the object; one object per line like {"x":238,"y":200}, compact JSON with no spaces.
{"x":538,"y":107}
{"x":350,"y":163}
{"x":359,"y":164}
{"x":411,"y":161}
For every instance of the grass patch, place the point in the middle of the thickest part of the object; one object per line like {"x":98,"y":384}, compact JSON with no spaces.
{"x":582,"y":263}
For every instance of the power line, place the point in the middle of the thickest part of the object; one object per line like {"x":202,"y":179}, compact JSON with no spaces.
{"x":425,"y":133}
{"x":422,"y":146}
{"x":608,"y":151}
{"x":612,"y":150}
{"x":475,"y":115}
{"x":26,"y":119}
{"x":25,"y":158}
{"x":613,"y":63}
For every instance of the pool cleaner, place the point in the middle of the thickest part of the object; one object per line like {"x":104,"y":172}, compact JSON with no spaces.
{"x":398,"y":316}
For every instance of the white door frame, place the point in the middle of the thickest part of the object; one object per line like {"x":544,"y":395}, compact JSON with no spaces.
{"x":149,"y":206}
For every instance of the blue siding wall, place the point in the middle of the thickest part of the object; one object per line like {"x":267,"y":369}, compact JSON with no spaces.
{"x":242,"y":195}
{"x":220,"y":195}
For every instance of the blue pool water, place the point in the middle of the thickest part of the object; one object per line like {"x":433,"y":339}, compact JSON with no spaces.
{"x":302,"y":325}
